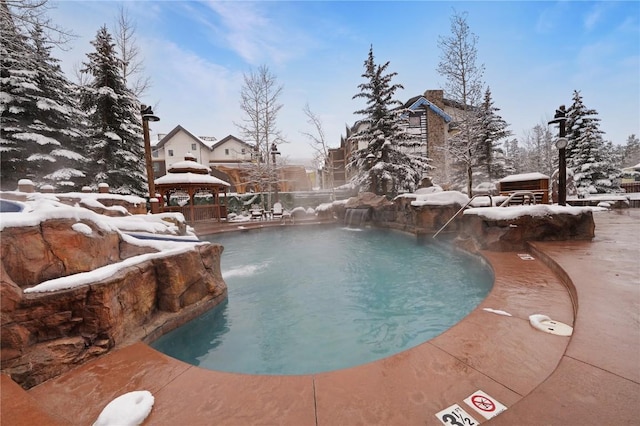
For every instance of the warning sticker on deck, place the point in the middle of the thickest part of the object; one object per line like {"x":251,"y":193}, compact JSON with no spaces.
{"x":484,"y":404}
{"x":525,"y":256}
{"x":455,"y":415}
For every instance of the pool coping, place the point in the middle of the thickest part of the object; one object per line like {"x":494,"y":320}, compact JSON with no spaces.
{"x":541,"y":378}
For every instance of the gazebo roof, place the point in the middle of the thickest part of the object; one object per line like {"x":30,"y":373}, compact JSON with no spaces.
{"x":189,"y":173}
{"x":190,"y":178}
{"x":186,"y":166}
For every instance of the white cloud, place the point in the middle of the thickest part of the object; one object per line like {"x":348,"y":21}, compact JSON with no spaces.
{"x":252,"y":34}
{"x":594,"y":16}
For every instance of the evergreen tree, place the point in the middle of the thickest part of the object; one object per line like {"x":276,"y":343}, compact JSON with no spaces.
{"x":492,"y":129}
{"x":41,"y":130}
{"x":593,"y":170}
{"x":116,"y":146}
{"x":18,"y":85}
{"x":390,"y":161}
{"x":631,"y":155}
{"x":513,"y":155}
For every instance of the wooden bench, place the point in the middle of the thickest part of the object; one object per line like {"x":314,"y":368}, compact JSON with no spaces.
{"x":537,"y":183}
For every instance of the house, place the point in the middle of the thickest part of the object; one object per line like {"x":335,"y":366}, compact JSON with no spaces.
{"x":228,"y":158}
{"x":221,"y":156}
{"x":431,"y":119}
{"x":172,"y":148}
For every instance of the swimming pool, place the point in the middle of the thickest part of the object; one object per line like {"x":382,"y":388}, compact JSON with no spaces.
{"x":308,"y":300}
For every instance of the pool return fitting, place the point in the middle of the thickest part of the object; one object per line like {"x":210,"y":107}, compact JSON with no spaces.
{"x":546,"y":324}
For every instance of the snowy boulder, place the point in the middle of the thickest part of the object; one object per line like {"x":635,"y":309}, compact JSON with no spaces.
{"x":509,"y":228}
{"x":367,"y":200}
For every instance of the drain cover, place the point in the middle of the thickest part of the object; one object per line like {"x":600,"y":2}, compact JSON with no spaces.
{"x":546,"y":324}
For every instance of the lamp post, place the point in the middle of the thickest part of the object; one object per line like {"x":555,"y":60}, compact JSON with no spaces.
{"x":147,"y":115}
{"x":274,"y":152}
{"x":560,"y":117}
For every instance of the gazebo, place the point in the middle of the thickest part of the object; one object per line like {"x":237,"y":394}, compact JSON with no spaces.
{"x":184,"y":181}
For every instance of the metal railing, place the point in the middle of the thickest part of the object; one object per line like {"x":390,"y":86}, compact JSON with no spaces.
{"x":523,"y":194}
{"x":461,"y":209}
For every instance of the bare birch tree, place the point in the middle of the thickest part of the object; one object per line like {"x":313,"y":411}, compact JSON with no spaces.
{"x":132,"y":66}
{"x":259,"y":101}
{"x":319,"y":145}
{"x":464,"y":85}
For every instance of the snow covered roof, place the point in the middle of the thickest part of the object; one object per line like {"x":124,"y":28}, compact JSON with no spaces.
{"x":632,"y":168}
{"x":229,"y":138}
{"x":178,"y":178}
{"x":523,"y":177}
{"x":421,"y":100}
{"x":190,"y":165}
{"x":207,"y":143}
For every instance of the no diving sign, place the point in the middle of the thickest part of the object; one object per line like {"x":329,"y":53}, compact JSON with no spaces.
{"x":484,"y":404}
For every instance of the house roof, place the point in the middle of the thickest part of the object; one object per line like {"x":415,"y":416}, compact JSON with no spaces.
{"x":175,"y":130}
{"x":227,"y":139}
{"x":418,"y":101}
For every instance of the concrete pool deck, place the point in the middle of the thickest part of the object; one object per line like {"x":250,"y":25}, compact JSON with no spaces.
{"x":590,"y":378}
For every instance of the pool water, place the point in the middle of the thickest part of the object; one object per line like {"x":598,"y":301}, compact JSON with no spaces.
{"x":308,"y":300}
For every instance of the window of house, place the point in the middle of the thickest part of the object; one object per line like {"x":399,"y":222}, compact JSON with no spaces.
{"x":156,"y":168}
{"x":243,"y":151}
{"x":193,"y":147}
{"x":226,"y":151}
{"x":414,"y":121}
{"x":155,"y":153}
{"x":170,"y":153}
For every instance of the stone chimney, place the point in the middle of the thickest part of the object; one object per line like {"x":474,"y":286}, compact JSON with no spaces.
{"x":435,"y":97}
{"x":436,"y":136}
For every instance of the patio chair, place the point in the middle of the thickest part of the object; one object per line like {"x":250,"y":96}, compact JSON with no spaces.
{"x":277,"y":210}
{"x":256,"y":212}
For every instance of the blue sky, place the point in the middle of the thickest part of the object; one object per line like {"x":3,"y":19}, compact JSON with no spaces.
{"x":535,"y":54}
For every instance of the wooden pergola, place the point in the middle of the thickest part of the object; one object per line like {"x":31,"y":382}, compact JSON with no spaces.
{"x":191,"y":178}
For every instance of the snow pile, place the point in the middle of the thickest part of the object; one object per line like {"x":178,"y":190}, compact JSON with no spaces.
{"x":130,"y":409}
{"x":443,"y":198}
{"x":42,"y":207}
{"x":324,"y":207}
{"x":537,"y":210}
{"x":497,"y":311}
{"x":523,"y":177}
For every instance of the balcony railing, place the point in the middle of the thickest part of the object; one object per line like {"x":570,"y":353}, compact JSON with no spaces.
{"x":199,"y":213}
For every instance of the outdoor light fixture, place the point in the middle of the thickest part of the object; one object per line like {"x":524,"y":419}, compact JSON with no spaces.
{"x":560,"y":118}
{"x":561,"y":143}
{"x":274,"y":152}
{"x":147,"y":115}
